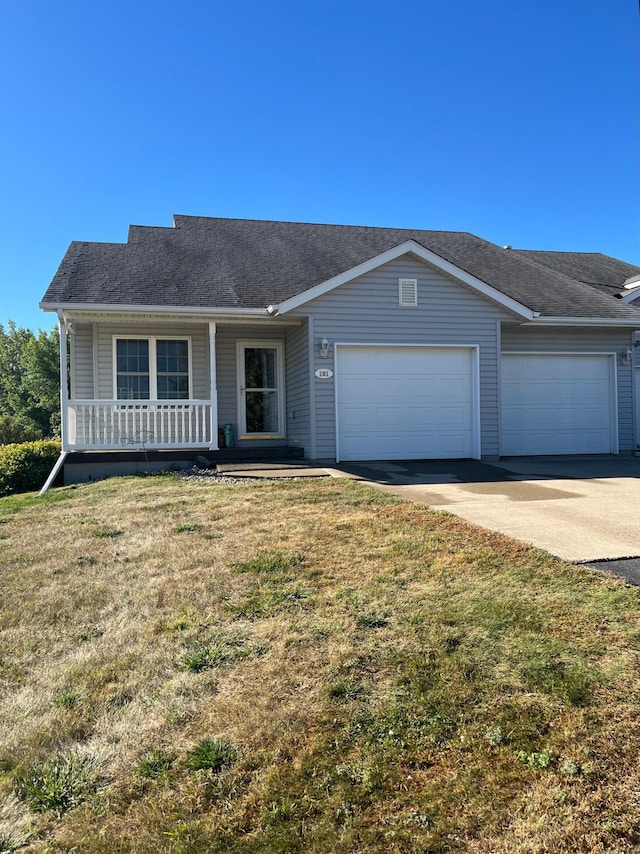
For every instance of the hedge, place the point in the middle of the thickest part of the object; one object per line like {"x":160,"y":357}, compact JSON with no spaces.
{"x":25,"y":467}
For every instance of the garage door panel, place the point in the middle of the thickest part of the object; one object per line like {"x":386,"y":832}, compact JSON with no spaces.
{"x":557,"y":404}
{"x":559,"y":441}
{"x":402,"y":447}
{"x":404,"y":403}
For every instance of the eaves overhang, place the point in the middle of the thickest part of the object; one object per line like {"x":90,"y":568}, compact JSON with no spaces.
{"x":624,"y":322}
{"x":409,"y":246}
{"x":164,"y":310}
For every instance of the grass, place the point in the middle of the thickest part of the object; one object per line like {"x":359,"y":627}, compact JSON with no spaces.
{"x":212,"y":754}
{"x":325,"y":669}
{"x":60,"y":783}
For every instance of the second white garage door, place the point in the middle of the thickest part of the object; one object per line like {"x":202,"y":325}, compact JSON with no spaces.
{"x":558,"y":404}
{"x":401,"y":403}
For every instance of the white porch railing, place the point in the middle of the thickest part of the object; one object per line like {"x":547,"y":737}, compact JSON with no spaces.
{"x":118,"y":424}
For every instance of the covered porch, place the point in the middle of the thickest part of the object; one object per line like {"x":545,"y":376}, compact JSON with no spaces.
{"x":141,"y":381}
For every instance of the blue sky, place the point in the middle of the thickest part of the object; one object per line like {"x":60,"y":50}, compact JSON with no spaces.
{"x":517,"y":122}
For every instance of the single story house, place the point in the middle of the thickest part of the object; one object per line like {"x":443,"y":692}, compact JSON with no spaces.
{"x":342,"y":343}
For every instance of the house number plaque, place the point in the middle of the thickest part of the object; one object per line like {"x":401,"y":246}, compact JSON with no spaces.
{"x":324,"y":373}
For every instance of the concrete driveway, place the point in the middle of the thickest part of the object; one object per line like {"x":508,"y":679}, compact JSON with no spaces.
{"x":580,"y":508}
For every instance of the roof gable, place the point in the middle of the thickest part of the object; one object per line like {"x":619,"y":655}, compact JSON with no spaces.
{"x":408,"y":247}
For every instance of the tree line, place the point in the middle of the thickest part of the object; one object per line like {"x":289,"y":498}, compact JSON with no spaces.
{"x":29,"y":384}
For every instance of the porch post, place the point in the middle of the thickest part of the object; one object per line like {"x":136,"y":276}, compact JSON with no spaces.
{"x":213,"y":393}
{"x":64,"y":389}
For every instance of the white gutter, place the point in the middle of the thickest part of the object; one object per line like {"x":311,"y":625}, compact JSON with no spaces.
{"x":153,"y":309}
{"x":624,"y":322}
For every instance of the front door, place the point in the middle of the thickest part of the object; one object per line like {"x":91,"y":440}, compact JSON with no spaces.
{"x":261,"y":390}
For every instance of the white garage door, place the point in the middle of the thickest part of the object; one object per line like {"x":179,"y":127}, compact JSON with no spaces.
{"x":558,"y":404}
{"x":401,"y":403}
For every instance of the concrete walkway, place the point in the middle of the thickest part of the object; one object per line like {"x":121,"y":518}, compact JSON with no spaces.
{"x":580,"y":508}
{"x":272,"y":470}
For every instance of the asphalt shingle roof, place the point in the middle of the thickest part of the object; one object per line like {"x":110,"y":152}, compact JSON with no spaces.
{"x":600,"y":271}
{"x":231,"y":263}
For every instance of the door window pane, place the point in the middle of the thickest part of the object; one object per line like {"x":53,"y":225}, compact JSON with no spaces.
{"x":260,"y":367}
{"x":262,"y":411}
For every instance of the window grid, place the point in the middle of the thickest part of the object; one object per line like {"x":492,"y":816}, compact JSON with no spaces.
{"x":152,"y":368}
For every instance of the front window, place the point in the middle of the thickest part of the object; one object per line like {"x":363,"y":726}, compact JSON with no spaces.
{"x":152,"y":368}
{"x":132,"y":378}
{"x":172,"y":363}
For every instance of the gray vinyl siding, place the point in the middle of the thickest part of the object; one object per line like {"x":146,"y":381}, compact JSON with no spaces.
{"x":564,"y":340}
{"x":82,"y":344}
{"x":367,"y":310}
{"x":297,"y":384}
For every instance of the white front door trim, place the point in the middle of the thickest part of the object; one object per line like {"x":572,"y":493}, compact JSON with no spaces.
{"x":269,"y":344}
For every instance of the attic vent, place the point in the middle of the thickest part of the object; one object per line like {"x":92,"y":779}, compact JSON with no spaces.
{"x":408,"y":291}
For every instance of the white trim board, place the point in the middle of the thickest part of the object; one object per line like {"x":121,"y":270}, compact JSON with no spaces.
{"x":631,"y":323}
{"x":270,"y":344}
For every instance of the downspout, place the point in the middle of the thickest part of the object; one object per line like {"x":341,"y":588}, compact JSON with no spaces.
{"x":54,"y":472}
{"x":64,"y":404}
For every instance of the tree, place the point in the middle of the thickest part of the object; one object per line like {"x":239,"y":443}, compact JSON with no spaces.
{"x":30,"y":379}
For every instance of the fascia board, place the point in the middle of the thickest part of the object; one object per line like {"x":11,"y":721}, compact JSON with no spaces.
{"x":391,"y":255}
{"x":632,"y":296}
{"x":153,"y":309}
{"x":630,"y":323}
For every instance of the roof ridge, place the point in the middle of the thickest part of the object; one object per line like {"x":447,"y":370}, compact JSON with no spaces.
{"x":563,"y":252}
{"x":320,"y":224}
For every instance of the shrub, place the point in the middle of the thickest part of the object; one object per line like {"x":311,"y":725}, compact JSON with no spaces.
{"x":13,"y":430}
{"x":26,"y":467}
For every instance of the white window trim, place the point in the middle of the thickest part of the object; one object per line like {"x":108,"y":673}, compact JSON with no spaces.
{"x":242,"y":415}
{"x":153,"y":364}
